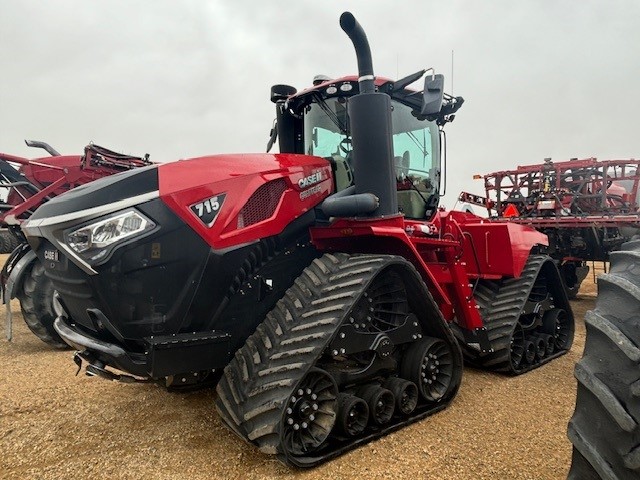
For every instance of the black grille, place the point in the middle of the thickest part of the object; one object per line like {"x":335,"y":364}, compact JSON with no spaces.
{"x":262,"y":203}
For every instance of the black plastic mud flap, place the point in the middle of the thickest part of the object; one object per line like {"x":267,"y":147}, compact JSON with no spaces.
{"x":187,"y":352}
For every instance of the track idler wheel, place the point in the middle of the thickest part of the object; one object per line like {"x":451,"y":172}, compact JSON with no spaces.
{"x":541,"y":346}
{"x":529,"y":351}
{"x":556,"y":323}
{"x":517,"y":346}
{"x":429,"y":364}
{"x":381,"y":403}
{"x":353,"y":415}
{"x":406,"y":394}
{"x":550,"y":342}
{"x":311,"y":413}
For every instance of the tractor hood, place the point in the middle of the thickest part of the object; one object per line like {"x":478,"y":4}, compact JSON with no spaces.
{"x":228,"y":200}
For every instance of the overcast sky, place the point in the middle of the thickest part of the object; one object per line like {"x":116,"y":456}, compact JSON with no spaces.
{"x":179,"y":79}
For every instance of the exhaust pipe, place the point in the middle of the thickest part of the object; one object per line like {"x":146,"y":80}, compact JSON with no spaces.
{"x":371,"y":132}
{"x":352,"y":28}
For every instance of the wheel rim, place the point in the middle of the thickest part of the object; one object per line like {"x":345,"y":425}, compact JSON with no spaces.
{"x":311,"y":413}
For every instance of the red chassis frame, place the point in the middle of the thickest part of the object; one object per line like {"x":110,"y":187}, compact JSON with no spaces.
{"x":458,"y":249}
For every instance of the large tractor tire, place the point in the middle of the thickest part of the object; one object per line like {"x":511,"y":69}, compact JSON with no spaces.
{"x":8,"y":241}
{"x":605,"y":429}
{"x":36,"y":302}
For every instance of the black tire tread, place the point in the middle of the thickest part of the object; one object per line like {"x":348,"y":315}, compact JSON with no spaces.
{"x":605,"y":426}
{"x":35,"y":298}
{"x":8,"y":241}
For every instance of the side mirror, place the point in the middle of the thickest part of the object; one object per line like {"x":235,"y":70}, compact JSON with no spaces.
{"x":432,"y":95}
{"x":281,"y":92}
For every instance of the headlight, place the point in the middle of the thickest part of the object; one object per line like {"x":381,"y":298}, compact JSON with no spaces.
{"x":92,"y":240}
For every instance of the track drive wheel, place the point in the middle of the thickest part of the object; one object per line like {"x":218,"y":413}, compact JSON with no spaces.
{"x":36,"y":302}
{"x":310,"y":413}
{"x":605,"y":427}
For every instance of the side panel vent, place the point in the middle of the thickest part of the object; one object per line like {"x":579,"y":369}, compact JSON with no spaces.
{"x":262,"y":203}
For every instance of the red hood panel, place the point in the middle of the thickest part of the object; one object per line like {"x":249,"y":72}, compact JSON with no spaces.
{"x":186,"y":183}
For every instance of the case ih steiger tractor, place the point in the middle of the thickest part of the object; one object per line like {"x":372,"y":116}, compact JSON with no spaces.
{"x":321,"y":282}
{"x":587,"y":208}
{"x":25,"y":188}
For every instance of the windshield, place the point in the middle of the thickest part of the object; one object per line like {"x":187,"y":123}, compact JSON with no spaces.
{"x":415,"y":142}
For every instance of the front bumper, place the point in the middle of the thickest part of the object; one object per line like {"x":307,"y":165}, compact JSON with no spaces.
{"x":164,"y":356}
{"x":105,"y":352}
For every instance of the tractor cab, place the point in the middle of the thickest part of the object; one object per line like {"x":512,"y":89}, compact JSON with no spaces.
{"x":315,"y":122}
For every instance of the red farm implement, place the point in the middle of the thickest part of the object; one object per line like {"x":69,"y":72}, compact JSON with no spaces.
{"x":587,"y":208}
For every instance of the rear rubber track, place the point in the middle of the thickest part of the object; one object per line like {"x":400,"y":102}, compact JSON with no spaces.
{"x":501,"y":306}
{"x":256,"y":385}
{"x":605,"y":427}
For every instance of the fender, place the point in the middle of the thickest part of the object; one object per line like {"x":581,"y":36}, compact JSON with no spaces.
{"x":12,"y":278}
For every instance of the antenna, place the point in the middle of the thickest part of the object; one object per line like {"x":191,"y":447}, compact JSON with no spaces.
{"x":451,"y":72}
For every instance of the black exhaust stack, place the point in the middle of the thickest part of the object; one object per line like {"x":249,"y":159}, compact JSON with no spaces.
{"x":371,"y":133}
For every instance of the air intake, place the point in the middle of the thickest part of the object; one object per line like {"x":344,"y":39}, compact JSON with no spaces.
{"x":262,"y":204}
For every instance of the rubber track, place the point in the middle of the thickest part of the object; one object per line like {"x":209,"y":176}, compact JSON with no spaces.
{"x":35,"y":302}
{"x":501,"y":304}
{"x":605,"y":427}
{"x":266,"y":370}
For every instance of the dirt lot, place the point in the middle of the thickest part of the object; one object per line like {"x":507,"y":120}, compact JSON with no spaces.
{"x":57,"y":425}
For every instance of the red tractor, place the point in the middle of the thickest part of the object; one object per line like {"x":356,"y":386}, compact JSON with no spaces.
{"x":321,"y":287}
{"x":25,"y":188}
{"x":587,"y":208}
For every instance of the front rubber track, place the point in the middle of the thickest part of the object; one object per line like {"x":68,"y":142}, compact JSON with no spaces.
{"x":36,"y":303}
{"x":501,"y":304}
{"x":263,"y":374}
{"x":605,"y":427}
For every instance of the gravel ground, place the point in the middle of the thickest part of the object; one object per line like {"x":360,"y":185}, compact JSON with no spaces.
{"x":57,"y":425}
